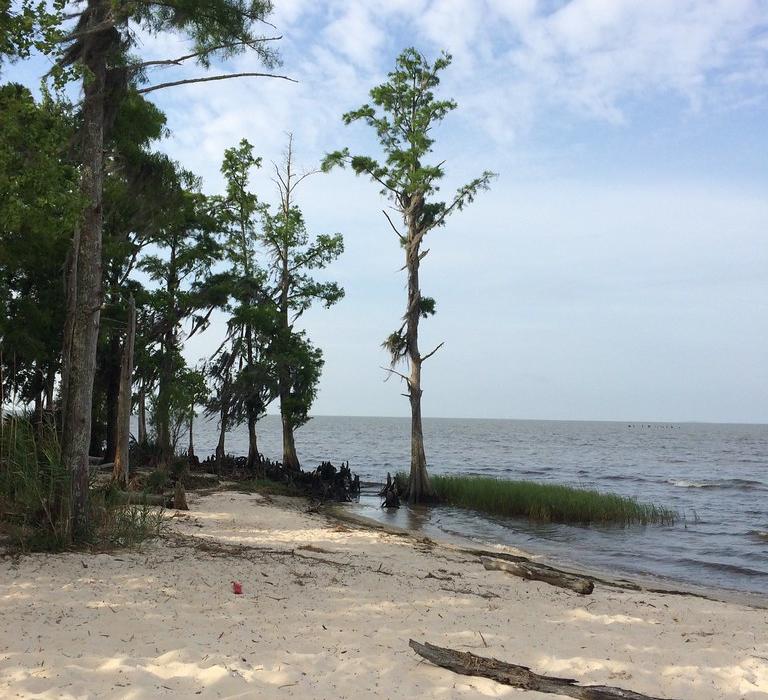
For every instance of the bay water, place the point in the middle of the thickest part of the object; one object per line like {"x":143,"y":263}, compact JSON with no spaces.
{"x":714,"y":475}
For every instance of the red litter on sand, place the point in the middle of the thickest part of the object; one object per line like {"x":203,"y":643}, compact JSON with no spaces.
{"x":237,"y":587}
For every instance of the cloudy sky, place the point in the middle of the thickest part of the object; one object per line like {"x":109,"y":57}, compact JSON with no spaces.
{"x":618,"y":268}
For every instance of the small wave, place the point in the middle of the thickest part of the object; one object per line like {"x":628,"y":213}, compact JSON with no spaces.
{"x":761,"y":535}
{"x":682,"y":483}
{"x":725,"y":567}
{"x":739,"y":484}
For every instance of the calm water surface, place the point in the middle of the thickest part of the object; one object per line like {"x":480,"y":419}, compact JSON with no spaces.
{"x":715,"y":475}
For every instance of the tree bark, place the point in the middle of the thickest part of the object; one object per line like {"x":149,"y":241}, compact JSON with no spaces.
{"x":80,"y":348}
{"x":111,"y":367}
{"x":142,"y":417}
{"x":469,"y":664}
{"x":223,"y":414}
{"x":120,"y":473}
{"x":50,"y":382}
{"x":191,"y":447}
{"x":290,"y":458}
{"x":254,"y":458}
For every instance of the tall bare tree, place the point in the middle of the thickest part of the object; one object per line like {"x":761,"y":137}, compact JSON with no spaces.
{"x":404,"y":113}
{"x":293,"y":255}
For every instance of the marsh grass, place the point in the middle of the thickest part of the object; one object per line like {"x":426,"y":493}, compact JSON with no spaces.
{"x":34,"y":485}
{"x":546,"y":502}
{"x":35,"y":497}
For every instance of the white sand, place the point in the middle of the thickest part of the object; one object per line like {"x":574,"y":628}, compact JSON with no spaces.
{"x":163,"y":621}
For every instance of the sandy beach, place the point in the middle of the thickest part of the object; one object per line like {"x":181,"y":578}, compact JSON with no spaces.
{"x":327,"y":611}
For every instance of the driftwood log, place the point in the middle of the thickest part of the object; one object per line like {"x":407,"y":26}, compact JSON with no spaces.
{"x":139,"y":498}
{"x":522,"y":677}
{"x":539,"y":572}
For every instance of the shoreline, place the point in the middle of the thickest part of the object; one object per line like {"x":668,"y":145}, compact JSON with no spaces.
{"x":629,"y":581}
{"x":327,"y":610}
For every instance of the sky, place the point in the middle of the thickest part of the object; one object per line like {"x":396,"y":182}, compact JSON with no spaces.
{"x":618,"y":267}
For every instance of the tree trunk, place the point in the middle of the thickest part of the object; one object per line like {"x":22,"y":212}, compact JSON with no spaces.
{"x":80,"y":348}
{"x":163,"y":405}
{"x":290,"y":458}
{"x":120,"y":473}
{"x":223,"y":421}
{"x":142,"y":431}
{"x":191,"y":447}
{"x":113,"y":376}
{"x":50,"y":382}
{"x":254,"y":458}
{"x":220,"y":445}
{"x":163,"y":410}
{"x":419,"y":487}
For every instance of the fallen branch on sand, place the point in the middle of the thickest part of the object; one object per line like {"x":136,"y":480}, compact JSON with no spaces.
{"x":469,"y":664}
{"x":537,"y":572}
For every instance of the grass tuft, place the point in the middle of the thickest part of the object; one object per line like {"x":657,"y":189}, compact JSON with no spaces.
{"x":546,"y":502}
{"x":35,"y":497}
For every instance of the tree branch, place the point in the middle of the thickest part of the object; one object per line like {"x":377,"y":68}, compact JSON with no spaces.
{"x":152,"y":88}
{"x":399,"y":374}
{"x":429,"y":354}
{"x":399,"y":235}
{"x":205,"y":52}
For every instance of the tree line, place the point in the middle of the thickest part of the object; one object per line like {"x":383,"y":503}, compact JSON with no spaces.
{"x":106,"y":242}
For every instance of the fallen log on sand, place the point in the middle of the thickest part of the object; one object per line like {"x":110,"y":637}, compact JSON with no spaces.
{"x":107,"y":466}
{"x":522,"y":677}
{"x":139,"y":498}
{"x":538,"y":572}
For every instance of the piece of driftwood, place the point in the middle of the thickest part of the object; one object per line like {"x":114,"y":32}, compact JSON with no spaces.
{"x":180,"y":496}
{"x":139,"y":498}
{"x":390,"y":493}
{"x":107,"y":466}
{"x":536,"y":572}
{"x":469,"y":664}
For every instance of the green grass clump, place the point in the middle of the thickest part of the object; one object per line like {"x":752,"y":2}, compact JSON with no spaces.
{"x":546,"y":502}
{"x":35,"y":497}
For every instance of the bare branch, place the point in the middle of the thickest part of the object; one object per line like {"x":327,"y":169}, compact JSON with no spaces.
{"x":144,"y":91}
{"x":399,"y":235}
{"x":429,"y":354}
{"x":399,"y":374}
{"x":205,"y":52}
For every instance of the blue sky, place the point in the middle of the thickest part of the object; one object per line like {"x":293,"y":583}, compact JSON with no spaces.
{"x":618,"y":268}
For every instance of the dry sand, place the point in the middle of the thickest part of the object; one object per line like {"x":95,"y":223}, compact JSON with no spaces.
{"x":333,"y":619}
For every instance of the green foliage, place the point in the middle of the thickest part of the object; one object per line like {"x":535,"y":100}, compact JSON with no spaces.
{"x":26,"y":26}
{"x":156,"y":481}
{"x":35,"y":496}
{"x":404,"y":113}
{"x":39,"y":205}
{"x":114,"y":524}
{"x":303,"y":364}
{"x":545,"y":502}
